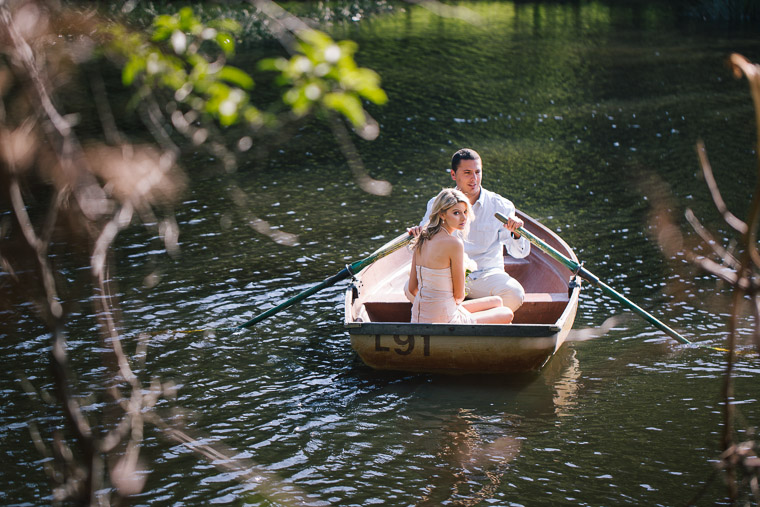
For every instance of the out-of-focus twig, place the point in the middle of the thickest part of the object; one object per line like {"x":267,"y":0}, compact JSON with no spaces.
{"x":286,"y":28}
{"x":720,"y":204}
{"x":739,"y":462}
{"x":362,"y":178}
{"x":752,"y":72}
{"x":283,"y":24}
{"x":724,"y":254}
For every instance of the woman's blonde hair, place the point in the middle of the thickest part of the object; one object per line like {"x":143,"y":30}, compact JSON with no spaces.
{"x":446,"y":198}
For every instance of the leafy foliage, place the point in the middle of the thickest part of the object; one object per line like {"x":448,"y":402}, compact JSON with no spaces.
{"x":67,"y":191}
{"x":188,"y":57}
{"x":325,"y":74}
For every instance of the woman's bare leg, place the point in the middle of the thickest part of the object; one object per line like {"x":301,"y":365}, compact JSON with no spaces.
{"x":481,"y":304}
{"x":499,"y":315}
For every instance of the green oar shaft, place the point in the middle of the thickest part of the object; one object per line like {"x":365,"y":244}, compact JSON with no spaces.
{"x":594,"y":280}
{"x":341,"y":275}
{"x":344,"y":273}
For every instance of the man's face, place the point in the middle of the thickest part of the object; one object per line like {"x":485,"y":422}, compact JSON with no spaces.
{"x":468,"y":176}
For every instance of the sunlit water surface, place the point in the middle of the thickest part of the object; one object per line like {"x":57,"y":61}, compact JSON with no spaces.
{"x":584,"y":116}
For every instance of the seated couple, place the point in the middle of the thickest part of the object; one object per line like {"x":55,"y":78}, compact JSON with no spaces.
{"x":437,"y":275}
{"x":437,"y":278}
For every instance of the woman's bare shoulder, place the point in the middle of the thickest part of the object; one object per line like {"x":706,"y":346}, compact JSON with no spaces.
{"x":453,"y":242}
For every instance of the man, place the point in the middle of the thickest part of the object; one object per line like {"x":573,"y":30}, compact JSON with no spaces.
{"x":487,"y":234}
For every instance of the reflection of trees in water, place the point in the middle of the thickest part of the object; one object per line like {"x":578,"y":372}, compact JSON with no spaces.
{"x":476,"y":452}
{"x":470,"y":467}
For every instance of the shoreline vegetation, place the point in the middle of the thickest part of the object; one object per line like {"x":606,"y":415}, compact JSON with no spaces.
{"x":323,"y":14}
{"x":245,"y":13}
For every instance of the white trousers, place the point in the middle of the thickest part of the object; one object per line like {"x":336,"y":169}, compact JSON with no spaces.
{"x":495,"y":282}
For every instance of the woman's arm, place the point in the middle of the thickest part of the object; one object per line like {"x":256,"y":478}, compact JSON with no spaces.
{"x":413,"y":286}
{"x":457,"y":268}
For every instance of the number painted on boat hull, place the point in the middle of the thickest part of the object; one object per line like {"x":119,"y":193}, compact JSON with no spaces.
{"x":403,"y":345}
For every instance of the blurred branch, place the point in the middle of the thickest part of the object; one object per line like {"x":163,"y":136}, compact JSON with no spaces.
{"x":708,"y":238}
{"x":730,"y":219}
{"x":94,"y":191}
{"x":298,"y":38}
{"x":739,"y":462}
{"x":362,"y":178}
{"x":284,"y":26}
{"x":105,"y":113}
{"x":752,"y":72}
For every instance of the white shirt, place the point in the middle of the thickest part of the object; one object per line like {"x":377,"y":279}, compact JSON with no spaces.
{"x":488,"y":234}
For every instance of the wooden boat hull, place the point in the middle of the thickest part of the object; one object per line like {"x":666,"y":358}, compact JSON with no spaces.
{"x":377,"y":316}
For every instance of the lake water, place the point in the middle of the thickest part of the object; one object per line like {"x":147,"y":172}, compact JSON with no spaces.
{"x":584,"y":115}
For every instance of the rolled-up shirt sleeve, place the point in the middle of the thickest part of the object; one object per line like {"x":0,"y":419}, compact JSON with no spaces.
{"x":518,"y":248}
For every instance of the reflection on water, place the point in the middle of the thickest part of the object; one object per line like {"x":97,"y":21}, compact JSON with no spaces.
{"x":569,"y":104}
{"x":470,"y":469}
{"x":475,"y":452}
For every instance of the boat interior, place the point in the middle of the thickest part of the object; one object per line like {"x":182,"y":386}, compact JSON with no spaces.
{"x":545,"y":281}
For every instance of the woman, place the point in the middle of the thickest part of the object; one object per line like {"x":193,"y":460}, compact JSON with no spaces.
{"x":437,"y":276}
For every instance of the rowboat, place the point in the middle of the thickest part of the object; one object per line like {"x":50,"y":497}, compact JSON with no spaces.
{"x":377,"y":316}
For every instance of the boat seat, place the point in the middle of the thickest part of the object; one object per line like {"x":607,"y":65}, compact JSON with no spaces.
{"x":538,"y":307}
{"x":541,"y":307}
{"x":392,"y":307}
{"x":545,"y":297}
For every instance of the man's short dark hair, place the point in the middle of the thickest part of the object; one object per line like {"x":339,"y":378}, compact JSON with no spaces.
{"x":463,"y":154}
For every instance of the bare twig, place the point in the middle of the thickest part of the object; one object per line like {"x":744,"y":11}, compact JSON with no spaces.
{"x":363,"y":179}
{"x":720,"y":204}
{"x":741,"y":273}
{"x":752,"y":72}
{"x":721,"y":252}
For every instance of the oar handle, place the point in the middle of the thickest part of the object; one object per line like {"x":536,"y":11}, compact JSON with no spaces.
{"x":594,"y":280}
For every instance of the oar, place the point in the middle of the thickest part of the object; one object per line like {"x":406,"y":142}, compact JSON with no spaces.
{"x":344,"y":273}
{"x":592,"y":279}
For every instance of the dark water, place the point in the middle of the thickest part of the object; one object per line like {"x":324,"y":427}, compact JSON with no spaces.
{"x":584,"y":115}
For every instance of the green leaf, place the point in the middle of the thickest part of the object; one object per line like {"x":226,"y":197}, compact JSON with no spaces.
{"x":236,"y":76}
{"x":225,"y":42}
{"x":162,"y":33}
{"x":227,"y":119}
{"x":348,"y":105}
{"x":315,"y":38}
{"x":252,"y":115}
{"x":226,"y":25}
{"x":375,"y":95}
{"x":188,"y":22}
{"x":166,"y":21}
{"x":273,"y":64}
{"x":131,"y":69}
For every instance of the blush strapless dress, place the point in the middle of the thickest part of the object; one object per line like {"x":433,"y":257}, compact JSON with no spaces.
{"x":434,"y":302}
